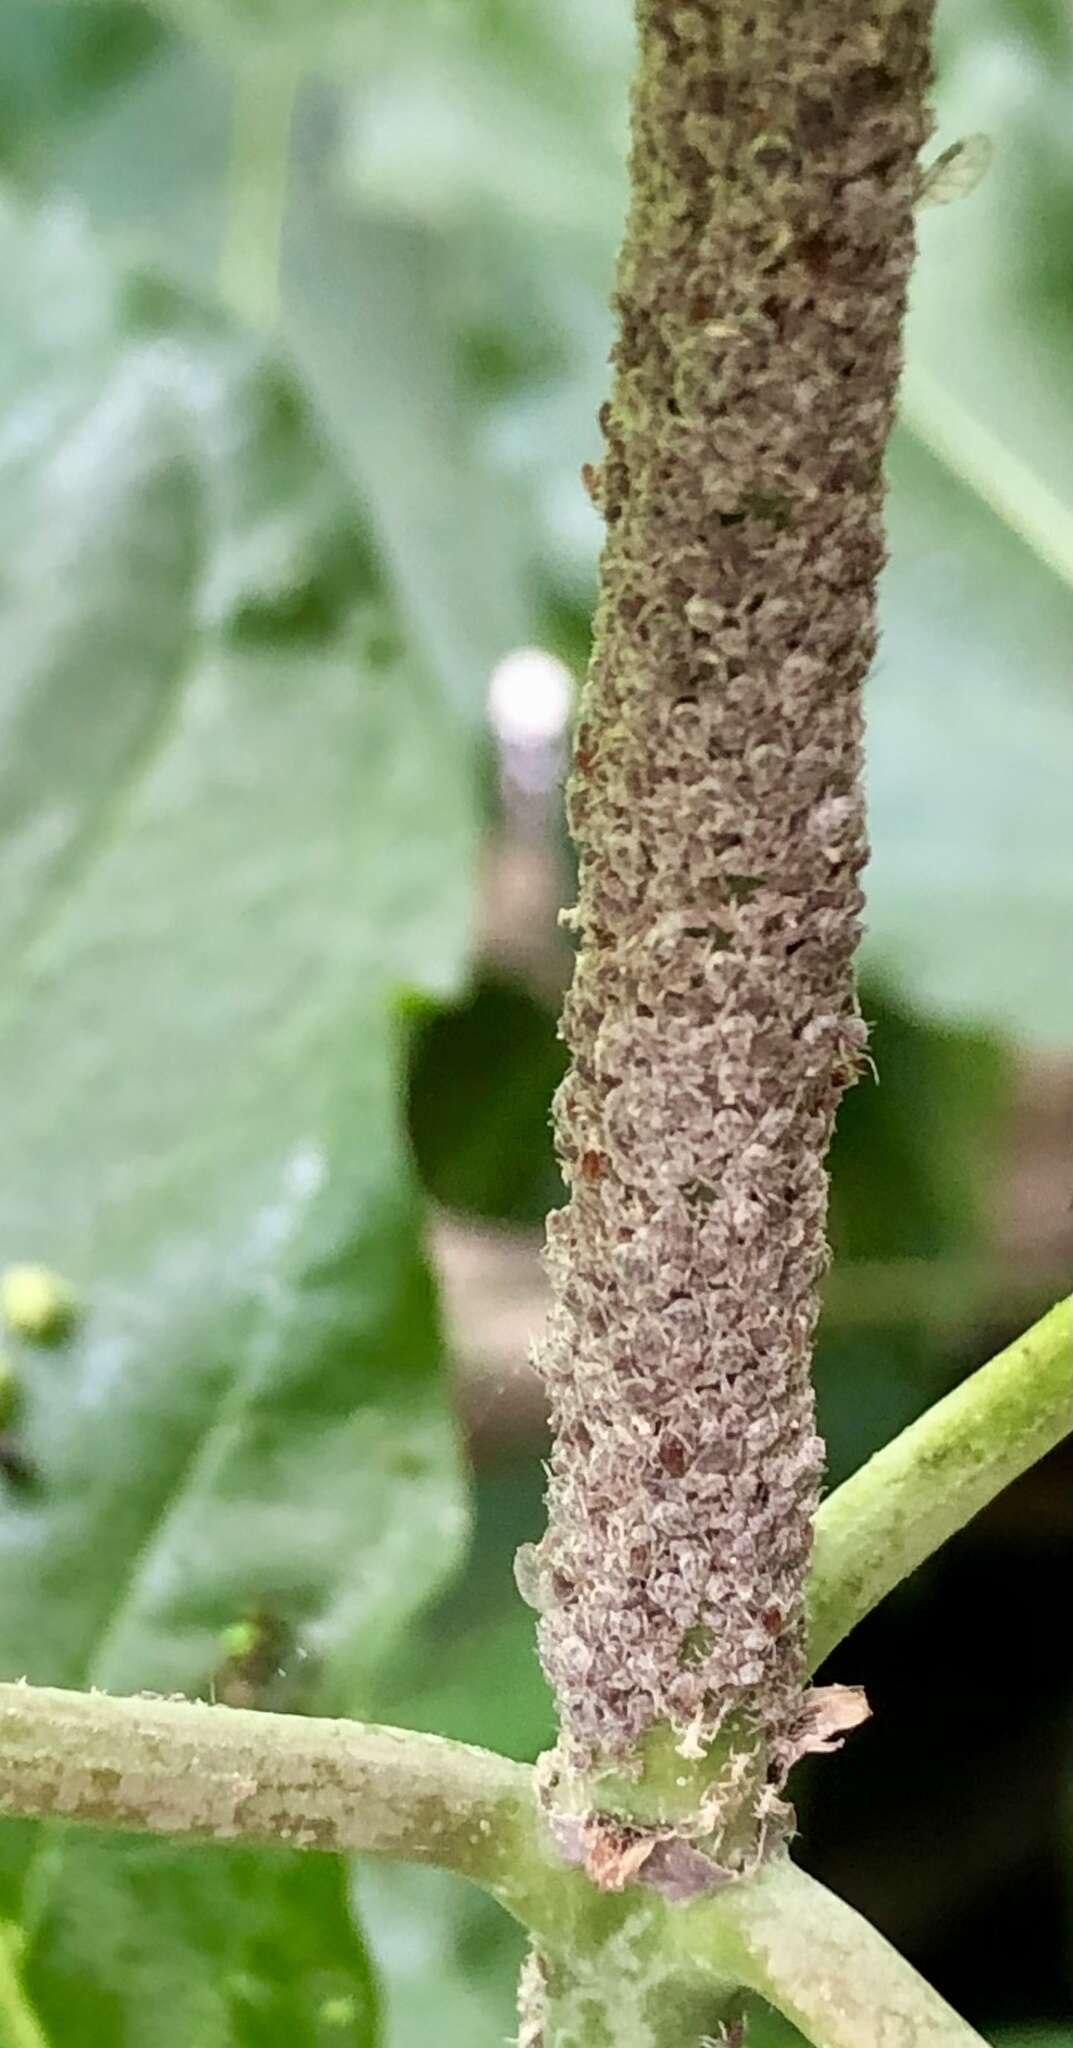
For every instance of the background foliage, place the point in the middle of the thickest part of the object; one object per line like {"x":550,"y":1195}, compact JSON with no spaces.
{"x":261,"y":549}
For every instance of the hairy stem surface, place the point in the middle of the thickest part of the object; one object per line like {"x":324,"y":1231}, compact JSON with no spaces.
{"x":907,"y":1500}
{"x":819,"y":1963}
{"x":716,"y":803}
{"x":180,"y":1767}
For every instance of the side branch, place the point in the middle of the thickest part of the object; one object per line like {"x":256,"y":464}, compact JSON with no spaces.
{"x":936,"y":1476}
{"x":181,"y":1767}
{"x":818,"y":1963}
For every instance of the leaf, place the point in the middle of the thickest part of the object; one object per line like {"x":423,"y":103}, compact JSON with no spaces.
{"x":237,"y":29}
{"x":768,"y":2029}
{"x":990,"y":312}
{"x":482,"y":1075}
{"x":470,"y":1668}
{"x":172,"y":126}
{"x":367,"y":320}
{"x":969,"y":721}
{"x":240,"y":816}
{"x":456,"y":126}
{"x":56,"y":61}
{"x":915,"y":1146}
{"x":448,"y":1959}
{"x":236,"y":1949}
{"x":1041,"y":2036}
{"x":365,"y":314}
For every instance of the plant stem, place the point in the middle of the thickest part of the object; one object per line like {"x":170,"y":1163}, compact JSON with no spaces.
{"x":716,"y":803}
{"x":622,"y":1997}
{"x":181,"y":1767}
{"x":250,"y":256}
{"x":936,"y":1476}
{"x":819,"y":1963}
{"x":18,"y":2027}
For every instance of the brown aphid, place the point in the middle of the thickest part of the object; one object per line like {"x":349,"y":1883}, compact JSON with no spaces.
{"x":673,"y":1456}
{"x":584,"y":750}
{"x":816,"y":253}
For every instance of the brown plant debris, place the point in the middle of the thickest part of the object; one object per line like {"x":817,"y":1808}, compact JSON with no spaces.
{"x":716,"y":803}
{"x":614,"y":1854}
{"x":827,"y":1714}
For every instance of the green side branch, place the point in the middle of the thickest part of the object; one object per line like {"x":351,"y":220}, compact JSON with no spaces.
{"x":914,"y":1494}
{"x":817,"y":1962}
{"x":216,"y":1773}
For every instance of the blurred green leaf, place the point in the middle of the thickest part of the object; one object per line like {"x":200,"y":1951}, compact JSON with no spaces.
{"x":475,"y":137}
{"x":470,"y":1668}
{"x":970,"y":723}
{"x":149,"y":166}
{"x":365,"y":305}
{"x":991,"y":298}
{"x":370,"y":323}
{"x":56,"y":62}
{"x":1031,"y":2037}
{"x":768,"y":2029}
{"x":248,"y":30}
{"x":914,"y":1149}
{"x":447,"y":1958}
{"x":238,"y":814}
{"x":482,"y":1075}
{"x":229,"y":1949}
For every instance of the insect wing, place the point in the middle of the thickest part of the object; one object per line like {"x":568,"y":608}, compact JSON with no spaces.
{"x":956,"y":172}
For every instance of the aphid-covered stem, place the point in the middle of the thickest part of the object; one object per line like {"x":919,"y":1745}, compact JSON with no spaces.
{"x":717,"y":807}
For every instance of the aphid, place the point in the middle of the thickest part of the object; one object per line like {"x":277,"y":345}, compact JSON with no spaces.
{"x":532,"y":1578}
{"x":956,"y":171}
{"x":255,"y":1652}
{"x":584,"y":750}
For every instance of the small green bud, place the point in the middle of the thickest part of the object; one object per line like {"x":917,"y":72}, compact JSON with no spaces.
{"x":10,"y":1393}
{"x":36,"y":1303}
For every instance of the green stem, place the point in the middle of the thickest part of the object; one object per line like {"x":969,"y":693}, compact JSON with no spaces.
{"x":935,"y":1476}
{"x":181,"y":1767}
{"x":612,"y":2003}
{"x":818,"y":1963}
{"x":250,"y":256}
{"x":18,"y":2027}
